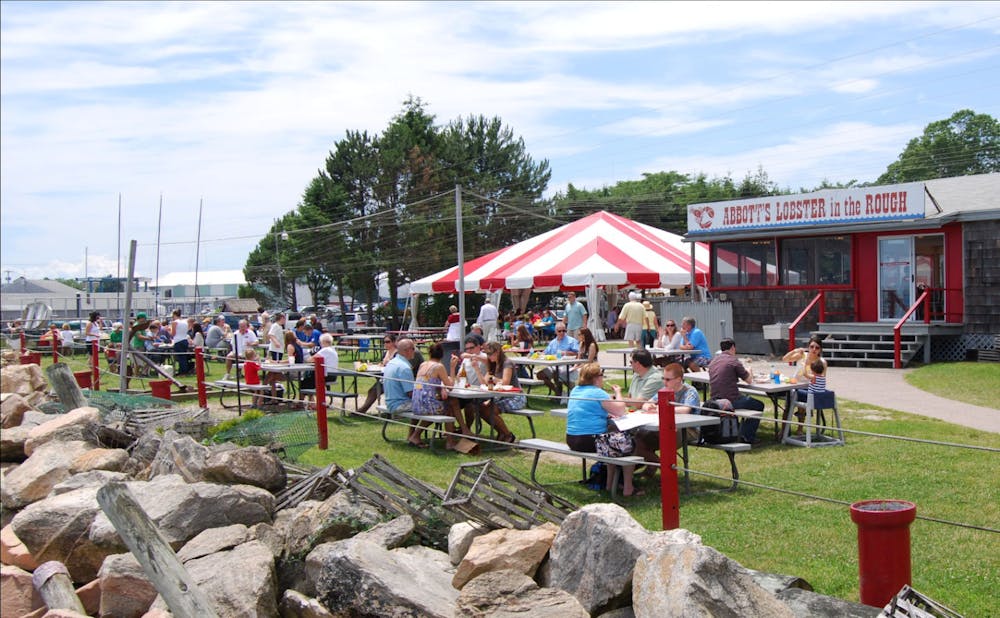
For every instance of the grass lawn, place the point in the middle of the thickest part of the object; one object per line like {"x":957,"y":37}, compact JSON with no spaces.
{"x":975,"y":383}
{"x":776,"y":532}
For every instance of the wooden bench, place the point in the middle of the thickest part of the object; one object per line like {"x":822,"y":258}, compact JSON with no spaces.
{"x":226,"y":386}
{"x":436,"y":427}
{"x":548,"y":446}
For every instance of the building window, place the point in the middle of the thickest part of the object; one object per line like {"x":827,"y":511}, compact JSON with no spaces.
{"x":824,"y":260}
{"x":748,"y":263}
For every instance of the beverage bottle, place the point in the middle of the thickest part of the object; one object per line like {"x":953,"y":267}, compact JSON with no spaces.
{"x":775,"y":375}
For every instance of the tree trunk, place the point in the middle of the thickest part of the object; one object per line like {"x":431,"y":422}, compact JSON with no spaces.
{"x":64,"y":384}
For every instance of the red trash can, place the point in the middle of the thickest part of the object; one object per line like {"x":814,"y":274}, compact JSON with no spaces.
{"x":883,"y":547}
{"x":82,"y":378}
{"x":160,"y":388}
{"x":31,"y":358}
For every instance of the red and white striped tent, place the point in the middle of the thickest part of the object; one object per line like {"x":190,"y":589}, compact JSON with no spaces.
{"x":599,"y":250}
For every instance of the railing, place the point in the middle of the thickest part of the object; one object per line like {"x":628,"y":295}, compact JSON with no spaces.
{"x":821,"y":299}
{"x":897,"y":343}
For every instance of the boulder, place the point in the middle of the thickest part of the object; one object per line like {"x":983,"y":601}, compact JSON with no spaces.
{"x":390,"y":534}
{"x":12,"y":410}
{"x":689,"y":579}
{"x":294,"y":604}
{"x":266,"y":534}
{"x":252,"y":465}
{"x":240,"y":583}
{"x":13,"y":551}
{"x":179,"y":455}
{"x":34,"y":479}
{"x":340,"y":516}
{"x":595,"y":551}
{"x":56,"y":528}
{"x":214,"y":540}
{"x":23,"y":380}
{"x":507,"y":593}
{"x":181,"y":510}
{"x":111,"y":459}
{"x":460,"y":538}
{"x":12,"y":443}
{"x":362,"y":579}
{"x":807,"y":604}
{"x":125,"y":590}
{"x":78,"y":425}
{"x":506,"y":549}
{"x":17,"y":594}
{"x":94,"y":478}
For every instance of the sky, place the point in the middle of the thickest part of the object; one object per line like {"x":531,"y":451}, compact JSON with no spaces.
{"x":230,"y":108}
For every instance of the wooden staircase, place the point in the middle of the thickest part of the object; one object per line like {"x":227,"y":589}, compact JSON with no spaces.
{"x":869,"y":344}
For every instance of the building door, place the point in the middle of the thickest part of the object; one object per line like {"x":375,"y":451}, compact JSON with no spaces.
{"x":895,"y":276}
{"x":928,"y":264}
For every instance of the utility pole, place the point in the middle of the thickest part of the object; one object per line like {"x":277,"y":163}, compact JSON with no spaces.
{"x":460,"y":288}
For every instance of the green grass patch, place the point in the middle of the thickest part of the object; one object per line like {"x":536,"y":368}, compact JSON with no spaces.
{"x":975,"y":383}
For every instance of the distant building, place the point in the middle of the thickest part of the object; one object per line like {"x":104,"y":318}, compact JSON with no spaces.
{"x":68,"y":302}
{"x":177,"y":289}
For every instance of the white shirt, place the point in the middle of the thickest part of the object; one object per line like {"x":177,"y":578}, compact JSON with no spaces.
{"x":277,"y":332}
{"x":180,"y":330}
{"x":488,"y":313}
{"x":244,"y":341}
{"x":331,"y":360}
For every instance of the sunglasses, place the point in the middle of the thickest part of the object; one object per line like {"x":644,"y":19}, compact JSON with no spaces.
{"x":672,"y":325}
{"x":469,"y":348}
{"x":600,"y":375}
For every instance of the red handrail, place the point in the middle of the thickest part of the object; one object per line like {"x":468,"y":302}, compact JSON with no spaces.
{"x":821,"y":299}
{"x":897,"y":344}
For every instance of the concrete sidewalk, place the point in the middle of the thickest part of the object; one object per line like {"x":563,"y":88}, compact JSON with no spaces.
{"x":885,"y":388}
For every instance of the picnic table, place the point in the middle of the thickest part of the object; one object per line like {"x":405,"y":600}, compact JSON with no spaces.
{"x":532,"y":362}
{"x":782,"y":395}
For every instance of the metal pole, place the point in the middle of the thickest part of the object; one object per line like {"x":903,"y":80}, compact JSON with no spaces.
{"x":277,"y":260}
{"x":128,"y":319}
{"x":159,"y":222}
{"x":118,"y":272}
{"x":320,"y":384}
{"x":460,"y":287}
{"x":197,"y":257}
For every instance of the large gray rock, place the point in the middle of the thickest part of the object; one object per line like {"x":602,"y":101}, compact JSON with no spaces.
{"x":340,"y":516}
{"x":50,"y":464}
{"x":688,"y":579}
{"x":14,"y":552}
{"x":808,"y":604}
{"x":179,"y":455}
{"x":182,"y":510}
{"x":390,"y":534}
{"x":294,"y":604}
{"x":239,"y":583}
{"x":214,"y":540}
{"x":24,"y":380}
{"x":509,"y":594}
{"x":76,"y":425}
{"x":94,"y":478}
{"x":111,"y":459}
{"x":12,"y":410}
{"x":125,"y":590}
{"x":56,"y":528}
{"x":595,"y":551}
{"x":12,"y":443}
{"x":362,"y":580}
{"x":252,"y":465}
{"x":460,"y":537}
{"x":521,"y":551}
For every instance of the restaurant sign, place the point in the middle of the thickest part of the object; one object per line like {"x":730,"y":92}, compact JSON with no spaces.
{"x":829,"y":206}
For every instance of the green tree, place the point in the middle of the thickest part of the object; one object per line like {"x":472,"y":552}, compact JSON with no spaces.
{"x":967,"y":143}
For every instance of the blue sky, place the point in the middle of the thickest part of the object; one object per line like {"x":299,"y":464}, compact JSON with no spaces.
{"x":238,"y":104}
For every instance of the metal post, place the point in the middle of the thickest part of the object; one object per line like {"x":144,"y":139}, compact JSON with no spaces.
{"x":199,"y":371}
{"x":123,"y":363}
{"x":669,"y":497}
{"x":460,"y":287}
{"x":55,"y":348}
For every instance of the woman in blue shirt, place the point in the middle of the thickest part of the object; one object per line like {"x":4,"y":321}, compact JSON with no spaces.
{"x":590,"y":407}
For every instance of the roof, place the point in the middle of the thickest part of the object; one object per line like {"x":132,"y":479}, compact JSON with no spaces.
{"x":240,"y":305}
{"x":205,"y":277}
{"x":603,"y":249}
{"x":38,"y":286}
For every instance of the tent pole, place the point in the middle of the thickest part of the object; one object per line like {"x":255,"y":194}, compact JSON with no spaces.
{"x":694,"y":276}
{"x":460,"y":288}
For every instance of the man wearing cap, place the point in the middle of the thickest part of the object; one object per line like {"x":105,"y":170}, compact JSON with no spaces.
{"x":724,"y":373}
{"x":631,"y":317}
{"x":576,"y":315}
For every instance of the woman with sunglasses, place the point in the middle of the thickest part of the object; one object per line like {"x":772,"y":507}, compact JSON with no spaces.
{"x":376,"y":389}
{"x":590,"y":410}
{"x":804,"y":375}
{"x":670,"y":339}
{"x":500,"y":372}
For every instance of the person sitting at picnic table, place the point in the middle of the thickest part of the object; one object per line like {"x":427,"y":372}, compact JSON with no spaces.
{"x":454,"y":325}
{"x":429,"y":395}
{"x":300,"y":330}
{"x":670,"y":339}
{"x":500,"y":371}
{"x":546,"y":326}
{"x":398,"y":378}
{"x":215,"y":338}
{"x":472,"y":369}
{"x":196,"y":338}
{"x":375,"y":391}
{"x":588,"y":346}
{"x":805,"y":357}
{"x":648,"y":379}
{"x":647,"y":441}
{"x":311,"y":341}
{"x":590,"y":409}
{"x":331,"y":362}
{"x":243,"y":342}
{"x":561,"y":346}
{"x":293,"y":354}
{"x":694,"y":339}
{"x":523,"y":339}
{"x":724,"y":373}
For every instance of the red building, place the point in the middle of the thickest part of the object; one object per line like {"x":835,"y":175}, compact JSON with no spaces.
{"x":860,"y":259}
